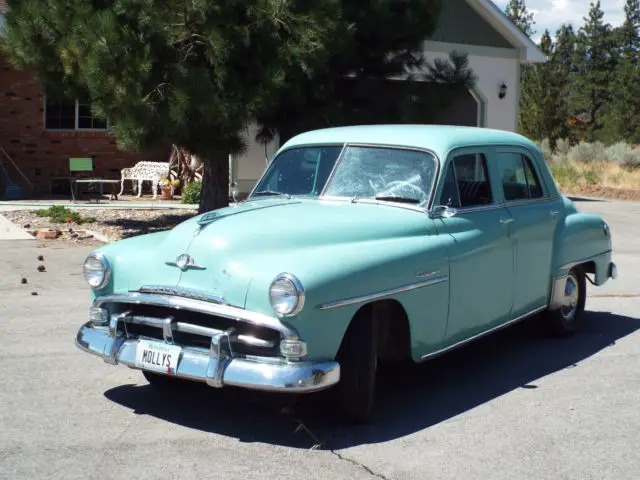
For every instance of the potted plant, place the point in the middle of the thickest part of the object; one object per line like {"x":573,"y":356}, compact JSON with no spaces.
{"x":167,"y":188}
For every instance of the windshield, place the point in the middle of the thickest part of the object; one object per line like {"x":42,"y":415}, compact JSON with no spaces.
{"x":384,"y":173}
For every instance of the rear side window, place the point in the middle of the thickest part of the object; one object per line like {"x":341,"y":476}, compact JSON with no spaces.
{"x":467,"y":182}
{"x":519,"y":178}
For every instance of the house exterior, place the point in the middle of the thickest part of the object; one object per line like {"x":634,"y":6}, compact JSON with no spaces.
{"x":496,"y":50}
{"x":40,"y":134}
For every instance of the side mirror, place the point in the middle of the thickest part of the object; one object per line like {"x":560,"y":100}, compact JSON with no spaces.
{"x":234,"y":192}
{"x":442,"y":211}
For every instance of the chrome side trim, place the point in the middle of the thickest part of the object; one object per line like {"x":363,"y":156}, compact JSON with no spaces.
{"x":181,"y":292}
{"x":531,"y":201}
{"x":427,"y":274}
{"x":382,"y":294}
{"x":442,"y":351}
{"x":184,"y":303}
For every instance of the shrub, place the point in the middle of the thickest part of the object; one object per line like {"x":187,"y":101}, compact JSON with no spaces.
{"x":624,"y":155}
{"x":563,"y":146}
{"x":191,"y":193}
{"x":545,"y":147}
{"x":60,"y":214}
{"x":587,"y":152}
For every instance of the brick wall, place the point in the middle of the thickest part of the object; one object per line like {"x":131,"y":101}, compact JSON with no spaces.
{"x":42,"y":154}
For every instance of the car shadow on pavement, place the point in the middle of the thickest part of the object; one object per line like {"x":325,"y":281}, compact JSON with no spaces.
{"x":409,"y":399}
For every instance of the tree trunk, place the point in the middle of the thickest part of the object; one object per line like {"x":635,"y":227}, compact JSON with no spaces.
{"x":215,"y":183}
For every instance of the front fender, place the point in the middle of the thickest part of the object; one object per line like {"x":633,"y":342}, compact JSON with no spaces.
{"x":360,"y":274}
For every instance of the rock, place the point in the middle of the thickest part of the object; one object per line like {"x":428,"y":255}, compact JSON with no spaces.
{"x":41,"y":268}
{"x":26,"y":225}
{"x":23,"y":281}
{"x":40,"y":258}
{"x":34,"y":293}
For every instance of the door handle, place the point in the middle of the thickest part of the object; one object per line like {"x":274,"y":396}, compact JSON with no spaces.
{"x":554,"y":214}
{"x":506,"y":221}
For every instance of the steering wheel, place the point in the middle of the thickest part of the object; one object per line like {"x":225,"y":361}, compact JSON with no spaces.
{"x":401,"y":183}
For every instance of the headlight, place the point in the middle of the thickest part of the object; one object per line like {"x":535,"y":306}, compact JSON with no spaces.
{"x":286,"y":295}
{"x":96,"y":270}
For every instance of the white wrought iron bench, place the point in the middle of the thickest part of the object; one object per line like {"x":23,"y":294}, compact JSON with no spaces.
{"x":144,"y":171}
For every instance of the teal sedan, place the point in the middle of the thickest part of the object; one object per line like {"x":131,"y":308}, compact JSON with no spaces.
{"x":358,"y":245}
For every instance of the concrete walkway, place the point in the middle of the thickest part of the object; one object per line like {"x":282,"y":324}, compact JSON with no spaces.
{"x":10,"y":231}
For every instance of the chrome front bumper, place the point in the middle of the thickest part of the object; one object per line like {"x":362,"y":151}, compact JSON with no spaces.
{"x":215,"y":367}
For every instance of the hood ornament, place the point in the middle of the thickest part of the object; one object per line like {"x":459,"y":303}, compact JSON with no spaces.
{"x":185,"y":262}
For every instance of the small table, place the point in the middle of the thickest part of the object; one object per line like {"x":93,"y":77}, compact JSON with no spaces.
{"x":114,"y":183}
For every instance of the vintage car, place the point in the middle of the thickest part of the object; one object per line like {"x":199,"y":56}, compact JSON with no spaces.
{"x":358,"y":244}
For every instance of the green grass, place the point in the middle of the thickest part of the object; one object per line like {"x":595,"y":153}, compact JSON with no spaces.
{"x":60,"y":214}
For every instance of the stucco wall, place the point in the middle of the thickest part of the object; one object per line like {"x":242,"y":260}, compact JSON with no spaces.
{"x":491,"y":69}
{"x":248,"y":167}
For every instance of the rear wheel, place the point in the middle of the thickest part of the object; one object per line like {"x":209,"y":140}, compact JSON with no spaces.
{"x":567,"y":319}
{"x":358,"y":357}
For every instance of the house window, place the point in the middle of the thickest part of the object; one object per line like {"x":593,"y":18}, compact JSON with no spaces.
{"x":71,"y":115}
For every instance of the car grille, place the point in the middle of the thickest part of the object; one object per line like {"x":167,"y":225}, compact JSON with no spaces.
{"x":192,"y":329}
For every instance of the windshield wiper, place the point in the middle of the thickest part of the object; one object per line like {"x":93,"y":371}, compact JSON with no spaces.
{"x":397,"y":198}
{"x":271,"y":192}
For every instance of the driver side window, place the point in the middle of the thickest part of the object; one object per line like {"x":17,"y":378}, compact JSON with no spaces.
{"x":466,"y":183}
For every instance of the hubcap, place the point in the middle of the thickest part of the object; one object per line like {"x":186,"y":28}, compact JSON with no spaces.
{"x":570,"y":298}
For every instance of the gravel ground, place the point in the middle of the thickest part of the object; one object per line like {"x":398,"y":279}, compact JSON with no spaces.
{"x":113,"y":224}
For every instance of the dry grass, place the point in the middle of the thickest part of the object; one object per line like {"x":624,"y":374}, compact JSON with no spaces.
{"x":585,"y":178}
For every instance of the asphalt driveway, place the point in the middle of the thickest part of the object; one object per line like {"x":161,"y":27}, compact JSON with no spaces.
{"x":514,"y":405}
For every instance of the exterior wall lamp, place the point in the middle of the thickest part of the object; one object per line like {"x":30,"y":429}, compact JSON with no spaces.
{"x":503,"y":91}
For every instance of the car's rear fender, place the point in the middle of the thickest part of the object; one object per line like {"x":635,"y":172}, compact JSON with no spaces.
{"x":582,"y":239}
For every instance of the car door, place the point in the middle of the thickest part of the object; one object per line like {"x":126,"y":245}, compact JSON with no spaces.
{"x":536,"y":216}
{"x":481,"y":252}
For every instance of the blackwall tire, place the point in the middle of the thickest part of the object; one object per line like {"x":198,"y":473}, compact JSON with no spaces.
{"x":358,"y":357}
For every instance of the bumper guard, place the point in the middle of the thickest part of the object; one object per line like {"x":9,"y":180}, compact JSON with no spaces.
{"x":215,"y":367}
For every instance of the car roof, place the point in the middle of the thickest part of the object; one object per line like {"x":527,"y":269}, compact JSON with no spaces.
{"x":438,"y":138}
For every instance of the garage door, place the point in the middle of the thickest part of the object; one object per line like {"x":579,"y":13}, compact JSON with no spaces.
{"x":463,"y":111}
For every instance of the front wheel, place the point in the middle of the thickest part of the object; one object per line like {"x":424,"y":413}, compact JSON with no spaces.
{"x":567,"y":319}
{"x":358,"y":359}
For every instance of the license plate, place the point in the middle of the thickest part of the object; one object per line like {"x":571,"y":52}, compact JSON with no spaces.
{"x":156,"y":356}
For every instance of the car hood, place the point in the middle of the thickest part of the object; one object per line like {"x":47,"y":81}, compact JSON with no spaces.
{"x":256,"y":240}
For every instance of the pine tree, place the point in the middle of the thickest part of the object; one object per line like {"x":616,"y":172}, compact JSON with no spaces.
{"x":543,"y":94}
{"x":623,"y":112}
{"x":197,"y":73}
{"x":563,"y":59}
{"x":519,"y":14}
{"x":595,"y":60}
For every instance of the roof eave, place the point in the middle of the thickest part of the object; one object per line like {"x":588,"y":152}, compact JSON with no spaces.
{"x":529,"y":51}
